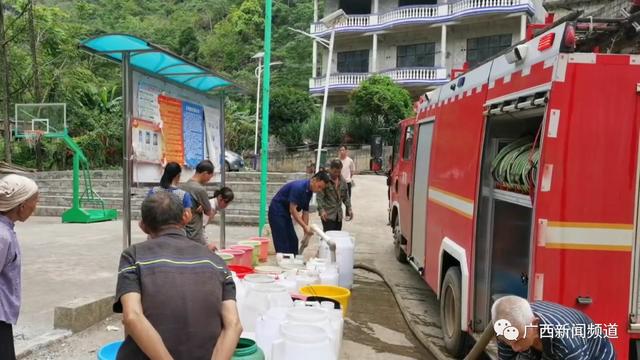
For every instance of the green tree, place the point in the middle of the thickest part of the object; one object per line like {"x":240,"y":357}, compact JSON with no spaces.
{"x":188,"y":44}
{"x":289,"y":109}
{"x":336,"y":129}
{"x":376,"y":105}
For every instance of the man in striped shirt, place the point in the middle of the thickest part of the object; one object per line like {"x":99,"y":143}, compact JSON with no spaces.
{"x":177,"y":298}
{"x":544,"y":330}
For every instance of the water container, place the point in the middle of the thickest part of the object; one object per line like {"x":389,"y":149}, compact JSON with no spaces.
{"x":302,"y":341}
{"x":324,"y":252}
{"x":241,"y":271}
{"x":256,"y":249}
{"x":253,"y":279}
{"x":247,"y":349}
{"x":237,"y":255}
{"x":329,"y":277}
{"x":344,"y":259}
{"x":268,"y":328}
{"x":306,"y":278}
{"x":228,"y":258}
{"x":264,"y":247}
{"x":319,"y":317}
{"x":259,"y":299}
{"x":109,"y":351}
{"x":247,"y":256}
{"x":269,"y":270}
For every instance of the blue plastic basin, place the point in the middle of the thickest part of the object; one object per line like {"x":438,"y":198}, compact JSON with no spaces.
{"x":109,"y":351}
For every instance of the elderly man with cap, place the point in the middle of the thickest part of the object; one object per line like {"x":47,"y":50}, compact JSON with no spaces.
{"x":18,"y":200}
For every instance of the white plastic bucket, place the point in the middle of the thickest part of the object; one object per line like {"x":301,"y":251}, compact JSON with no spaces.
{"x":302,"y":341}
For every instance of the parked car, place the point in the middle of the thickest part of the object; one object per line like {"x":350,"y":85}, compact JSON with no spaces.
{"x":233,"y":161}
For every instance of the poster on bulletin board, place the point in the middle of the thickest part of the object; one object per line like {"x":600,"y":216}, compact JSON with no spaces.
{"x":173,"y":124}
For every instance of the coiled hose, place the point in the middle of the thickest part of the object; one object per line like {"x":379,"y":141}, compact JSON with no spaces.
{"x":515,"y":166}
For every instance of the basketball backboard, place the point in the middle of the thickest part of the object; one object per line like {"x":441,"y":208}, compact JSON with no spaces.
{"x":48,"y":119}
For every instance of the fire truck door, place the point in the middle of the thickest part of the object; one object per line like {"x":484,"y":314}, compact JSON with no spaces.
{"x":420,"y":193}
{"x":405,"y":180}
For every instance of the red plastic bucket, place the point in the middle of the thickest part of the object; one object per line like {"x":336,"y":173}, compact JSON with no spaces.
{"x":241,"y":271}
{"x":264,"y":247}
{"x":247,"y":257}
{"x":237,"y":255}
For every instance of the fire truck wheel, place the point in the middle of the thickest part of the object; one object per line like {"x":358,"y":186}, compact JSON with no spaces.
{"x":397,"y":240}
{"x":450,"y":295}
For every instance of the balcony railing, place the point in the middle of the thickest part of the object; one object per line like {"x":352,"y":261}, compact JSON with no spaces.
{"x":403,"y":76}
{"x":424,"y":13}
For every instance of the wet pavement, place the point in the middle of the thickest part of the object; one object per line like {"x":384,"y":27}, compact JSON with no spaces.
{"x":374,"y":327}
{"x":65,"y":261}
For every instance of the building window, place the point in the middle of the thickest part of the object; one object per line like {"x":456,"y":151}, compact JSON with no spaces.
{"x":353,"y":61}
{"x":416,"y":2}
{"x":481,"y":48}
{"x":356,"y":7}
{"x":418,"y":55}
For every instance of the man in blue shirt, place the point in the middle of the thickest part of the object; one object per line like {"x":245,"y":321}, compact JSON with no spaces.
{"x":290,"y":200}
{"x":545,"y":330}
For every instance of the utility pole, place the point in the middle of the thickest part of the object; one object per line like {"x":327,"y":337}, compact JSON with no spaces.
{"x":4,"y":60}
{"x":37,"y":96}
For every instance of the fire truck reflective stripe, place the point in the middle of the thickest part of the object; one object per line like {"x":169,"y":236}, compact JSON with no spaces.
{"x":538,"y":291}
{"x":453,"y":202}
{"x":554,"y":121}
{"x":560,"y":71}
{"x":589,"y":236}
{"x":582,"y":58}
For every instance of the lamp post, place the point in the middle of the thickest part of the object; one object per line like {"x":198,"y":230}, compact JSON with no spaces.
{"x":258,"y":74}
{"x":329,"y":21}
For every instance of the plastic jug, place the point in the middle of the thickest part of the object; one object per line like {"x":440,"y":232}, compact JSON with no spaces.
{"x":320,"y":317}
{"x":247,"y":349}
{"x":344,"y":260}
{"x":259,"y":299}
{"x":268,"y":328}
{"x":302,"y":341}
{"x":329,"y":277}
{"x":333,"y":234}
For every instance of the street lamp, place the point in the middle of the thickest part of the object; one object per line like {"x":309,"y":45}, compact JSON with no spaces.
{"x":258,"y":73}
{"x":330,"y":21}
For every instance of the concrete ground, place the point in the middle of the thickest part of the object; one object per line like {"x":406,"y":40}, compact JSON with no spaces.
{"x":63,"y":262}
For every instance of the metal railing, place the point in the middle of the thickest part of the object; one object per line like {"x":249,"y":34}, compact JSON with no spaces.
{"x":347,"y":80}
{"x":408,"y":13}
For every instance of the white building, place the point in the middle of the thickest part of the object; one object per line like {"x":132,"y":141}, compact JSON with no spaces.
{"x":416,"y":42}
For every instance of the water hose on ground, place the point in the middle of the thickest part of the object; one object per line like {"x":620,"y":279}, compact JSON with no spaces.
{"x":475,"y":352}
{"x":477,"y":349}
{"x":405,"y":315}
{"x":481,"y":344}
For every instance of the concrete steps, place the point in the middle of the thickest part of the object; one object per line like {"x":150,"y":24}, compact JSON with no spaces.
{"x":56,"y":193}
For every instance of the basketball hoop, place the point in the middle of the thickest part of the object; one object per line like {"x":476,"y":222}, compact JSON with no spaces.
{"x":32,"y":137}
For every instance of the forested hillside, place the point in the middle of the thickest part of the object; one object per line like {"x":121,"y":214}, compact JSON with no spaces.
{"x":220,"y":34}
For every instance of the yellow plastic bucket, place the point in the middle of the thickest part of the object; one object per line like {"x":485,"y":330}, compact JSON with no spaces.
{"x":256,"y":249}
{"x":340,"y":294}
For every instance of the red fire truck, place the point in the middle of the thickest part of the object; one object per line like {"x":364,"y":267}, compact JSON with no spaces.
{"x":521,"y":177}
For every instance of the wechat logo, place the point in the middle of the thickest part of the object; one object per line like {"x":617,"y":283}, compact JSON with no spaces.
{"x":503,"y":327}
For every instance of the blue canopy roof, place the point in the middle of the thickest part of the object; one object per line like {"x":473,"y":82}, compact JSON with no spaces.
{"x":156,"y":61}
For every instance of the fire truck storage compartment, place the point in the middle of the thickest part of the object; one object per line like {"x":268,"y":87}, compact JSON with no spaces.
{"x":504,"y":237}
